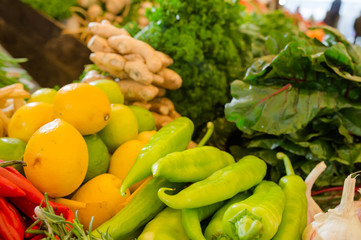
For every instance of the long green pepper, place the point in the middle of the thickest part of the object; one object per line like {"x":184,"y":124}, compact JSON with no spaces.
{"x":221,"y":185}
{"x":257,"y":217}
{"x":294,"y":218}
{"x":166,"y":225}
{"x":192,"y":218}
{"x":214,"y":229}
{"x":192,"y":165}
{"x":141,"y":208}
{"x":173,"y":137}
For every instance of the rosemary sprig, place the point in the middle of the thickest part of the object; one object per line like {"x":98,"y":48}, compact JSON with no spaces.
{"x":56,"y":227}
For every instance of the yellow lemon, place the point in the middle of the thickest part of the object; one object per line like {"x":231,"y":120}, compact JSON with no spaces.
{"x":102,"y":197}
{"x":57,"y":158}
{"x":84,"y":106}
{"x":29,"y":118}
{"x":124,"y":157}
{"x":43,"y":95}
{"x":122,"y":127}
{"x":145,"y":136}
{"x":98,"y":156}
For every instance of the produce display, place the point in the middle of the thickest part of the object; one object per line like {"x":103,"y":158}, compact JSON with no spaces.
{"x":204,"y":120}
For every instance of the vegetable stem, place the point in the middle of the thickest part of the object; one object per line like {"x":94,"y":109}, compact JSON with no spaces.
{"x":287,"y":163}
{"x":210,"y":129}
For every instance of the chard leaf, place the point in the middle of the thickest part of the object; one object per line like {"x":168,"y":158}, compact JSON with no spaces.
{"x":348,"y":155}
{"x":294,"y":148}
{"x":320,"y":149}
{"x":337,"y":56}
{"x":275,"y":110}
{"x":270,"y":143}
{"x":351,"y":120}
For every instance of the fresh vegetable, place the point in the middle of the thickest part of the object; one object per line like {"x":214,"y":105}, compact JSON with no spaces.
{"x":57,"y":9}
{"x":166,"y":225}
{"x":8,"y":77}
{"x":258,"y":216}
{"x":173,"y":137}
{"x":207,"y":62}
{"x":32,"y":198}
{"x":11,"y":227}
{"x":12,"y":98}
{"x":102,"y":199}
{"x":294,"y":217}
{"x":339,"y":223}
{"x":49,"y":225}
{"x":312,"y":206}
{"x":214,"y":229}
{"x":191,"y":165}
{"x":221,"y":185}
{"x":192,"y":217}
{"x":142,"y":207}
{"x":304,"y":101}
{"x":9,"y":189}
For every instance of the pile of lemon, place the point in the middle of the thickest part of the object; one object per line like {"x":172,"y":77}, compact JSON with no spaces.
{"x":80,"y":142}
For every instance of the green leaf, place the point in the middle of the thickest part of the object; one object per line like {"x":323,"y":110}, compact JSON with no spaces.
{"x":351,"y":120}
{"x":274,"y":110}
{"x":349,"y":155}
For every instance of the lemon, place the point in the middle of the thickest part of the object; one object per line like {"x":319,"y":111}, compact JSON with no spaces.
{"x":146,"y":121}
{"x":43,"y":95}
{"x":56,"y":158}
{"x":111,"y":89}
{"x":84,"y":106}
{"x":145,"y":136}
{"x":12,"y":149}
{"x":124,"y":157}
{"x":98,"y":156}
{"x":122,"y":127}
{"x":28,"y":118}
{"x":102,"y":197}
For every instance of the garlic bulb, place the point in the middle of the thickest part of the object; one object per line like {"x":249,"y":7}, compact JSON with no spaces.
{"x":340,"y":223}
{"x":312,"y":206}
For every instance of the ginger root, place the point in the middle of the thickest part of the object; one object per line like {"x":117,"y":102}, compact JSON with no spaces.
{"x":109,"y":62}
{"x":172,"y":80}
{"x":115,"y":6}
{"x":106,"y":30}
{"x":99,"y":44}
{"x":127,"y":45}
{"x":92,"y":76}
{"x":134,"y":91}
{"x":161,"y":120}
{"x":139,"y":72}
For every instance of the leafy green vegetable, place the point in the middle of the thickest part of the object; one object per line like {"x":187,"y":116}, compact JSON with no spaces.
{"x":57,"y":9}
{"x":208,"y":48}
{"x":7,"y":65}
{"x":304,"y":101}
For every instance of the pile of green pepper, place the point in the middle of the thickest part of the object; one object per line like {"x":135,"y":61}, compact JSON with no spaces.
{"x":233,"y":195}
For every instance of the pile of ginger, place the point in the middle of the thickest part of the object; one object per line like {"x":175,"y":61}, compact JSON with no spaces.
{"x":141,"y":72}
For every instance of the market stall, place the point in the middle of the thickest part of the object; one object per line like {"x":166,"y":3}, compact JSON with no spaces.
{"x":185,"y":120}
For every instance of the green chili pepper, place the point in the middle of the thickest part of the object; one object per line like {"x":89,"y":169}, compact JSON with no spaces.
{"x":192,"y":165}
{"x":214,"y":229}
{"x":141,"y":208}
{"x":221,"y":185}
{"x":173,"y":137}
{"x":294,"y":218}
{"x":258,"y":216}
{"x":166,"y":225}
{"x":192,"y":217}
